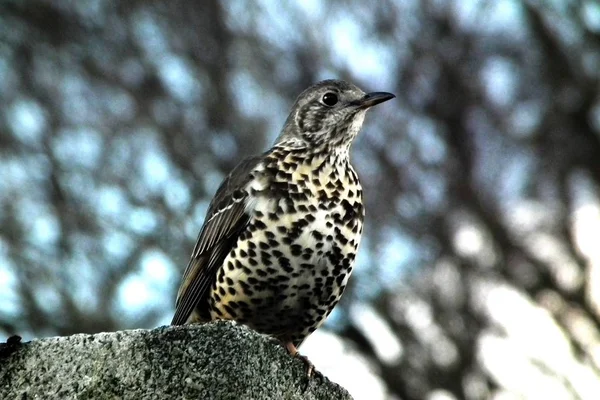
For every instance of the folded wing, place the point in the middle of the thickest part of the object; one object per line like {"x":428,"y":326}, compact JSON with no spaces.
{"x":227,"y":216}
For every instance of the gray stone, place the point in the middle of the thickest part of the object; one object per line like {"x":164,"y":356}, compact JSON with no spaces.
{"x":213,"y":361}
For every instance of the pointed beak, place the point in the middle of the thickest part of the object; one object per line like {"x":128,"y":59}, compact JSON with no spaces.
{"x":374,"y":98}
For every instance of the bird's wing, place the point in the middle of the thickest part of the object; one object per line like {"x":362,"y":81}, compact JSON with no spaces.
{"x":227,"y":216}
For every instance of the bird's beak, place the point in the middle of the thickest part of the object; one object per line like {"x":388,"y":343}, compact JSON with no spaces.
{"x":374,"y":98}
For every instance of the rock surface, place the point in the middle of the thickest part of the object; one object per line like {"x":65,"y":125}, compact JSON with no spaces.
{"x":213,"y":361}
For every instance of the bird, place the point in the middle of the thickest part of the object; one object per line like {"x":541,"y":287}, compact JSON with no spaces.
{"x":282,"y":232}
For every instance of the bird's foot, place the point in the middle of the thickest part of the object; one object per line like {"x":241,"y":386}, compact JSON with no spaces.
{"x":310,"y":368}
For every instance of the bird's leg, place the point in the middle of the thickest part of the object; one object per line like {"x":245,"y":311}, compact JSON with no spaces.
{"x":291,"y":348}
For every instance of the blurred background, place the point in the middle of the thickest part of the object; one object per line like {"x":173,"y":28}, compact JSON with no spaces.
{"x":479,"y":273}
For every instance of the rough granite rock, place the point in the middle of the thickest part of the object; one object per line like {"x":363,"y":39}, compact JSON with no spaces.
{"x":214,"y":361}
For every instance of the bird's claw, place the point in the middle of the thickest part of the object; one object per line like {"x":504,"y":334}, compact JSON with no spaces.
{"x":310,"y":367}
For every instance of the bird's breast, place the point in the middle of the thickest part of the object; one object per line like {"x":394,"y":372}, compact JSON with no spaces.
{"x":298,"y":249}
{"x":313,"y":207}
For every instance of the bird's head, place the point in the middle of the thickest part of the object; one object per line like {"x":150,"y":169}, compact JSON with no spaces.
{"x":328,"y":115}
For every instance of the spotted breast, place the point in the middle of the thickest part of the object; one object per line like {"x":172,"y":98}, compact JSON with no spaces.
{"x":289,"y":268}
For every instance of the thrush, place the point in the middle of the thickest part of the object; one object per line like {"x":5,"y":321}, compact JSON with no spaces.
{"x":281,"y":234}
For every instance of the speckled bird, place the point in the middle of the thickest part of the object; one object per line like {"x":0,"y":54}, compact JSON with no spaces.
{"x":281,"y":235}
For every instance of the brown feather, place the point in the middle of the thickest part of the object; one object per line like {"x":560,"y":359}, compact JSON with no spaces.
{"x":226,"y":218}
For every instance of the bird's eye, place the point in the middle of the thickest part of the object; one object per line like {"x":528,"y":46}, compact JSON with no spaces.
{"x":330,"y":99}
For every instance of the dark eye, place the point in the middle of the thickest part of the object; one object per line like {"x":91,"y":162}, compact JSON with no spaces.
{"x":330,"y":99}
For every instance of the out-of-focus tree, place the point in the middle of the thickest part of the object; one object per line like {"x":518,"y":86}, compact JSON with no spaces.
{"x":479,"y":274}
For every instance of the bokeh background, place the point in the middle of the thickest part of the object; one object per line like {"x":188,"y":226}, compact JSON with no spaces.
{"x":479,"y":276}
